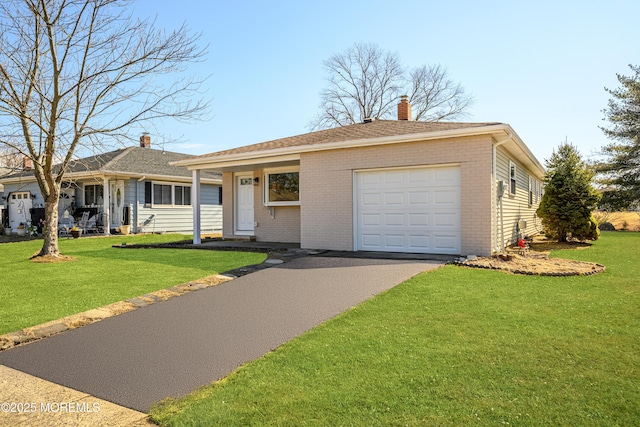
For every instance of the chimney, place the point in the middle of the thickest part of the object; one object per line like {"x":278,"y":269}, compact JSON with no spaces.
{"x":404,"y":108}
{"x":27,"y":164}
{"x":145,"y":140}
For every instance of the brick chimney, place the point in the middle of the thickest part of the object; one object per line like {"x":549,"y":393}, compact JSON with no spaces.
{"x":404,"y":108}
{"x":145,"y":140}
{"x":27,"y":164}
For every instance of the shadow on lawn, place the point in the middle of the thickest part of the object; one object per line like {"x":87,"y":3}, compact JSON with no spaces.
{"x":163,"y":257}
{"x":547,"y":245}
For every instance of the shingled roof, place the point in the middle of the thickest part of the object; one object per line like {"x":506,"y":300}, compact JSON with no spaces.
{"x":131,"y":161}
{"x":373,"y":129}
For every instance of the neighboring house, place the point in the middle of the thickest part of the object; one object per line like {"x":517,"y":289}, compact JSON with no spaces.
{"x":3,"y":172}
{"x":383,"y":185}
{"x":122,"y":187}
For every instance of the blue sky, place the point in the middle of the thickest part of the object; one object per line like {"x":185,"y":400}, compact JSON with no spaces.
{"x":539,"y":66}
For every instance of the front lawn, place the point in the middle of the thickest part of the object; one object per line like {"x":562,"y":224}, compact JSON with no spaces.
{"x":452,"y":347}
{"x":33,"y":293}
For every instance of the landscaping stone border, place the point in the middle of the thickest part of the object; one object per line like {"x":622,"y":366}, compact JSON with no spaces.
{"x":596,"y":268}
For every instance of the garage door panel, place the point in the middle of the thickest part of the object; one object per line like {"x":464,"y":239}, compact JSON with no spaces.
{"x":446,"y":219}
{"x":371,"y":179}
{"x":447,"y":176}
{"x":371,"y":219}
{"x":418,"y":176}
{"x":371,"y":199}
{"x":394,"y":241}
{"x":418,"y":220}
{"x":409,"y":210}
{"x":393,"y":177}
{"x":418,"y":197}
{"x":446,"y":243}
{"x":447,"y":197}
{"x":394,"y":198}
{"x":419,"y":243}
{"x":371,"y":241}
{"x":394,"y":220}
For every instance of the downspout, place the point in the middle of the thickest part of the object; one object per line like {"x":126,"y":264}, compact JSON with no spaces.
{"x":135,"y":214}
{"x":494,"y":179}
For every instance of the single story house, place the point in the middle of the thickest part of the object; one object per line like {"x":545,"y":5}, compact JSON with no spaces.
{"x":383,"y":185}
{"x":3,"y":172}
{"x":134,"y":186}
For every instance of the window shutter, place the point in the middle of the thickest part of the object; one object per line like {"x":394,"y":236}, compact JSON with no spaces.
{"x":147,"y":192}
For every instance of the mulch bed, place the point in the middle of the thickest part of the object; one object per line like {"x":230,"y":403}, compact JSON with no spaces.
{"x":536,"y":261}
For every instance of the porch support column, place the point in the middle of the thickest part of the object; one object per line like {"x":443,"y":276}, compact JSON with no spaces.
{"x":106,"y":192}
{"x":195,"y":202}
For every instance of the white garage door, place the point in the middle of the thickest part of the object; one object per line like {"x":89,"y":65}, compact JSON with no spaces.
{"x":409,"y":210}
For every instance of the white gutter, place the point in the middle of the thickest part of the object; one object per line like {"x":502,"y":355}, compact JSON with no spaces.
{"x":494,"y":179}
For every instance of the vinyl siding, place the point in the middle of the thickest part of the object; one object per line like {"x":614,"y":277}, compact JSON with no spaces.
{"x":174,"y":218}
{"x":514,"y":208}
{"x":180,"y":220}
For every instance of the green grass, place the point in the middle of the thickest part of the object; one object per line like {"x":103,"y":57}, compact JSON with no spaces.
{"x":454,"y":347}
{"x":33,"y":293}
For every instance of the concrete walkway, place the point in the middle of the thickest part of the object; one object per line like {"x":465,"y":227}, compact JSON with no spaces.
{"x":30,"y":401}
{"x":170,"y":348}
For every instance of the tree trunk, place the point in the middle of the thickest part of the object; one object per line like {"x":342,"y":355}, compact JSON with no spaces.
{"x":563,"y":236}
{"x":50,"y":230}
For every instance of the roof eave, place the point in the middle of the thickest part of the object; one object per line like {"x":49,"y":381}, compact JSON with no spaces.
{"x":533,"y":162}
{"x":102,"y":174}
{"x":252,"y":157}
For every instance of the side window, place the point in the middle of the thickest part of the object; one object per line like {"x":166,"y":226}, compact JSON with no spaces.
{"x":512,"y":178}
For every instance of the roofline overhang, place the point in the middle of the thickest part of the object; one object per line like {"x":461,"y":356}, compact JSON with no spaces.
{"x":110,"y":174}
{"x":532,"y":160}
{"x":293,"y":153}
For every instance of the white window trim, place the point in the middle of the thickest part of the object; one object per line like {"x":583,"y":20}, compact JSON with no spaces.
{"x":173,"y":194}
{"x":265,"y":186}
{"x":515,"y":178}
{"x":531,"y":194}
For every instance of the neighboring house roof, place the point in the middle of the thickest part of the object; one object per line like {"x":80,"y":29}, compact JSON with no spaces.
{"x":375,"y":132}
{"x":133,"y":162}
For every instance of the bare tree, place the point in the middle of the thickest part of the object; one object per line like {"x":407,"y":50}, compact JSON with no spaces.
{"x":363,"y":82}
{"x":366,"y":82}
{"x":77,"y":75}
{"x":10,"y":161}
{"x":434,"y":96}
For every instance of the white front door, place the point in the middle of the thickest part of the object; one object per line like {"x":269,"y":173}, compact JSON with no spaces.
{"x":19,"y":205}
{"x":244,"y":204}
{"x":65,"y":202}
{"x":116,"y":200}
{"x":409,"y":210}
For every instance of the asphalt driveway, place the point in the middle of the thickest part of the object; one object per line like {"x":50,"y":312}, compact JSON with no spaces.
{"x":171,"y":348}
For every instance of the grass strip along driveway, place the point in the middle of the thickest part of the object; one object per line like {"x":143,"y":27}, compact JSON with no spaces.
{"x":34,"y":293}
{"x":454,"y":346}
